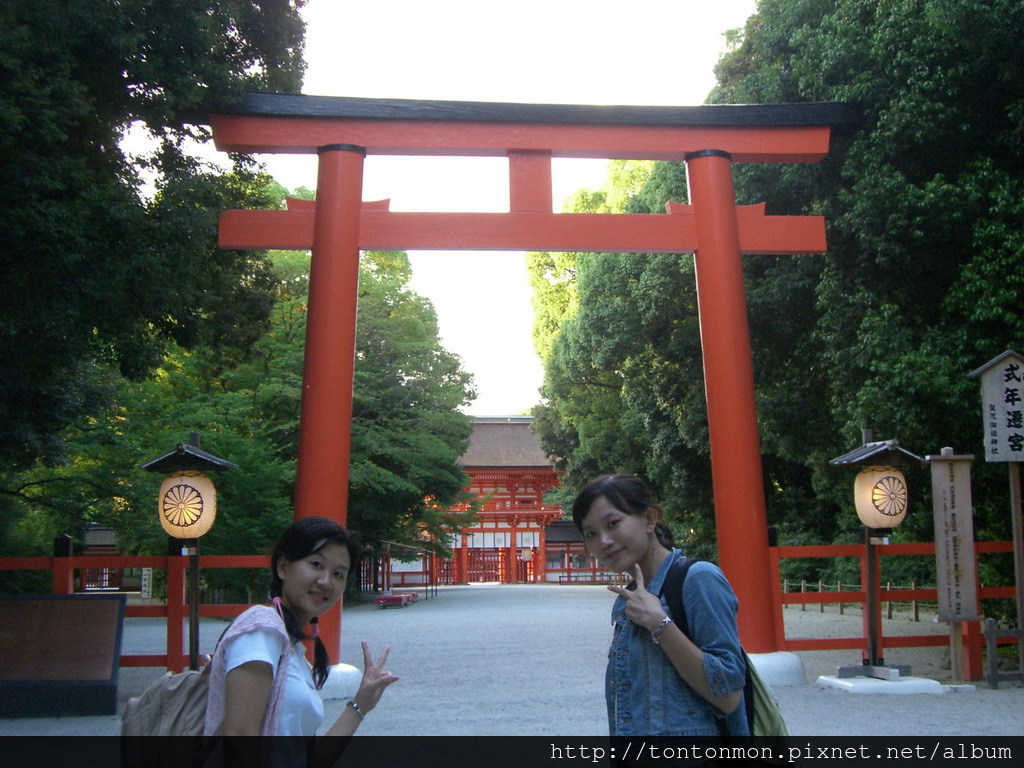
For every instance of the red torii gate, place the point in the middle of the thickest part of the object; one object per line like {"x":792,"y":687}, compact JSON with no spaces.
{"x":342,"y":131}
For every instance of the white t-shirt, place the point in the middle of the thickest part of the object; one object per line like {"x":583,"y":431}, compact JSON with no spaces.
{"x":302,"y":709}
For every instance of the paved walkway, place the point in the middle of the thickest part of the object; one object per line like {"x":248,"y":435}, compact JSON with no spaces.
{"x":529,"y":660}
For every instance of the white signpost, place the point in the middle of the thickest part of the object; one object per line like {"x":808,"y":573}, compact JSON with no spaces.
{"x":146,"y":587}
{"x":1002,"y":399}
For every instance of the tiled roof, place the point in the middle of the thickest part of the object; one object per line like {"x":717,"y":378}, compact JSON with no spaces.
{"x":503,"y":441}
{"x":563,"y":531}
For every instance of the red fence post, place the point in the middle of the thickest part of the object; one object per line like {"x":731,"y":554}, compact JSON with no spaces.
{"x":974,"y":668}
{"x":775,"y":580}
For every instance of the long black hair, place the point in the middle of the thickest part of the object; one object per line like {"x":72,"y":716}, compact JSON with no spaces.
{"x":628,"y":494}
{"x":301,"y":539}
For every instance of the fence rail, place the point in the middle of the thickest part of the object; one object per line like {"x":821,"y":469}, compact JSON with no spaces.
{"x":972,"y":635}
{"x":890,"y":596}
{"x":176,"y":610}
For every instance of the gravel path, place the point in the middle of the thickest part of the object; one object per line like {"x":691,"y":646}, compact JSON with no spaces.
{"x":529,"y":660}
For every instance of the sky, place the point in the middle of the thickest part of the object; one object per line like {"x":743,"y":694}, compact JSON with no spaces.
{"x":644,"y":52}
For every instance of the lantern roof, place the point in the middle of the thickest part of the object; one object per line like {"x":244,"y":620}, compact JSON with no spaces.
{"x":187,"y":457}
{"x":878,"y":452}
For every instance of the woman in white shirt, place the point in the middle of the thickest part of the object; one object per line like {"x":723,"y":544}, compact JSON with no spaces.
{"x":261,"y":683}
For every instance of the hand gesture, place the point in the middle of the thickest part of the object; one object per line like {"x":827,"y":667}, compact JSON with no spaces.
{"x":375,"y":679}
{"x":642,"y":607}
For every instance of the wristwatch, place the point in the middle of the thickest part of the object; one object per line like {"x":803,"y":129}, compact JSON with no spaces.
{"x":656,"y":633}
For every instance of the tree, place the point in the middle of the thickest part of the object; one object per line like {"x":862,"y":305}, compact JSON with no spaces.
{"x":920,"y":285}
{"x":96,"y":274}
{"x":407,"y":432}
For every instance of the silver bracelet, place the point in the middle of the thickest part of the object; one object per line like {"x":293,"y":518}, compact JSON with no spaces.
{"x":352,"y":703}
{"x":656,"y":633}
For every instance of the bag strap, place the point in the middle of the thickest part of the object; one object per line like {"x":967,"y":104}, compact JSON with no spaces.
{"x":672,"y":589}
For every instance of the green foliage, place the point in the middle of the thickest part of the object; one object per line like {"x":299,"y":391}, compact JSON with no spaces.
{"x":96,"y":275}
{"x":921,"y":283}
{"x":553,"y":275}
{"x":407,"y":434}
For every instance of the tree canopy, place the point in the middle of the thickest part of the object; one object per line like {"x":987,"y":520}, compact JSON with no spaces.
{"x":921,"y":283}
{"x":97,"y":272}
{"x":124,"y":327}
{"x":407,"y":432}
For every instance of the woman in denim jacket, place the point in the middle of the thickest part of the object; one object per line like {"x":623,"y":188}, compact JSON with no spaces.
{"x":659,"y":682}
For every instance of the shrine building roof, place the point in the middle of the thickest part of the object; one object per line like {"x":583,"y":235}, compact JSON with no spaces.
{"x":503,"y":441}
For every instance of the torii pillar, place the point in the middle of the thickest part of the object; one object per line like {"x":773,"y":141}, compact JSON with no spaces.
{"x":709,"y":139}
{"x":736,"y":471}
{"x":325,"y":433}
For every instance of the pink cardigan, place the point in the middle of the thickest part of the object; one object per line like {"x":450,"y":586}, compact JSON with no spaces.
{"x":257,"y":617}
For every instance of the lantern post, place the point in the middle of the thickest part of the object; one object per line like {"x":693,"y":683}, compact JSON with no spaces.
{"x":880,"y":498}
{"x":187,"y":507}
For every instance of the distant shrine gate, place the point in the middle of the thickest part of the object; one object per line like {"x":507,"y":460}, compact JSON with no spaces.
{"x":709,"y":139}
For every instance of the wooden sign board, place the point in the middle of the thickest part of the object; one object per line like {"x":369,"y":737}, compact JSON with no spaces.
{"x":59,"y":654}
{"x":1002,"y":404}
{"x":954,"y":537}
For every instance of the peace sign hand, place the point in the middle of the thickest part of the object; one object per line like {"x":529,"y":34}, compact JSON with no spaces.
{"x":374,"y":681}
{"x":642,"y":607}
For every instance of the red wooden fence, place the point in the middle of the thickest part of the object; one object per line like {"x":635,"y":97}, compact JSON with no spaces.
{"x":973,"y":639}
{"x":176,"y":609}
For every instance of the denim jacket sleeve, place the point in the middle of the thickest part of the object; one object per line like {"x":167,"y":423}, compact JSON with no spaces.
{"x":711,"y":605}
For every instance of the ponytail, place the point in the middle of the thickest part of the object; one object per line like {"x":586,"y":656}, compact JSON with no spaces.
{"x":321,"y":661}
{"x":664,"y":535}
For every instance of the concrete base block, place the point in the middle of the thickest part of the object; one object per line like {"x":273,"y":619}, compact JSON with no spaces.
{"x":905,"y":685}
{"x":342,"y":683}
{"x":780,"y":669}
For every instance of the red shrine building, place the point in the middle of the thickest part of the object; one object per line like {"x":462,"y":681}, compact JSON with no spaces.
{"x":517,"y":538}
{"x":510,"y":473}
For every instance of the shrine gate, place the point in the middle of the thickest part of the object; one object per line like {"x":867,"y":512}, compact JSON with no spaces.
{"x":510,"y":474}
{"x":709,"y":139}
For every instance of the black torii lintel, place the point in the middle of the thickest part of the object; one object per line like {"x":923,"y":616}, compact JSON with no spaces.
{"x":835,"y":114}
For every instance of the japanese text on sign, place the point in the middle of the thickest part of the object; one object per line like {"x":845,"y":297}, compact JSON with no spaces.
{"x":1002,"y":394}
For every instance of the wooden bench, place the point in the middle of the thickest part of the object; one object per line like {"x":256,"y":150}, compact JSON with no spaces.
{"x":398,"y":599}
{"x":60,"y":654}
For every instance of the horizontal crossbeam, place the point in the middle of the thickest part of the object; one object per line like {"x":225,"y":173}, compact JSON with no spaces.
{"x":281,"y":123}
{"x":380,"y":229}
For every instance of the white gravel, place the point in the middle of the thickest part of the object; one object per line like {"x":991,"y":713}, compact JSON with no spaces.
{"x":529,"y":660}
